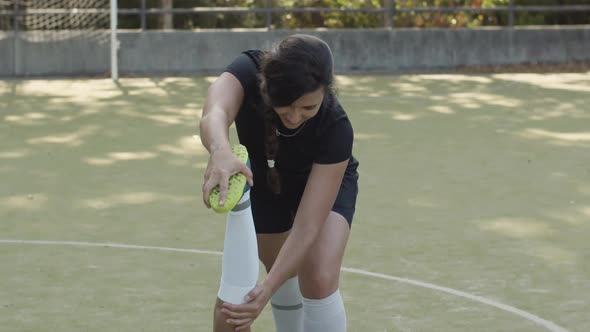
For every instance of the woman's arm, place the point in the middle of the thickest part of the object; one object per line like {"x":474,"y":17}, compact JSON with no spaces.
{"x":224,"y":99}
{"x":317,"y":201}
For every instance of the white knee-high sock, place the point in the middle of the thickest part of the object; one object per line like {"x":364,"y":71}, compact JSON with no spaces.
{"x":239,"y":272}
{"x":287,"y":307}
{"x":324,"y":315}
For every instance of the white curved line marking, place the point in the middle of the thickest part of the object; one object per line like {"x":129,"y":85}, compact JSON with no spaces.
{"x":533,"y":318}
{"x":112,"y":245}
{"x":527,"y":315}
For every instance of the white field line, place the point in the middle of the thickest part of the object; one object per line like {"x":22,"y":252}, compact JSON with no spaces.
{"x":524,"y":314}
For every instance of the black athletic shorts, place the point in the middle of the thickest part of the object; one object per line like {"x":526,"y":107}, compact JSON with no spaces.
{"x":276,"y":213}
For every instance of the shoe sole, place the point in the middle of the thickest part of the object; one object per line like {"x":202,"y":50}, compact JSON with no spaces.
{"x":235,"y":188}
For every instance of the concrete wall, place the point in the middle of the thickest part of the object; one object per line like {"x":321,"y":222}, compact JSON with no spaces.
{"x":189,"y":52}
{"x":6,"y":54}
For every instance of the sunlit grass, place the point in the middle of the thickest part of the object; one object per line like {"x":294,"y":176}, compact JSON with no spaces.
{"x":475,"y":182}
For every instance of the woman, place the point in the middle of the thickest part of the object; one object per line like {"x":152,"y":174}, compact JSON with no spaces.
{"x":304,"y":179}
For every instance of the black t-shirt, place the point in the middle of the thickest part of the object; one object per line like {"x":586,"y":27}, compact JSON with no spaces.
{"x":326,"y":138}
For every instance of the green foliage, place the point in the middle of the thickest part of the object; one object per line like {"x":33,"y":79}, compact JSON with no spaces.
{"x":293,"y":20}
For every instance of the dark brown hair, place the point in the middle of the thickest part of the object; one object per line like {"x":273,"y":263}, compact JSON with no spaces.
{"x":297,"y":65}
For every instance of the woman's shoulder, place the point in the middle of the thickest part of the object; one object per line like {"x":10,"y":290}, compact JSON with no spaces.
{"x":248,"y":61}
{"x":245,"y":67}
{"x":335,"y":134}
{"x":255,"y":56}
{"x":332,"y":114}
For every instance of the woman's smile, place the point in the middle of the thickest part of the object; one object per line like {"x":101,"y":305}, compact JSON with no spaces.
{"x":302,"y":109}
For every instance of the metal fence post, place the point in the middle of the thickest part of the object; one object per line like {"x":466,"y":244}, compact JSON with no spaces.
{"x":143,"y":18}
{"x":387,"y":14}
{"x":268,"y":15}
{"x":392,"y":14}
{"x":16,"y":41}
{"x":15,"y":14}
{"x":511,"y":13}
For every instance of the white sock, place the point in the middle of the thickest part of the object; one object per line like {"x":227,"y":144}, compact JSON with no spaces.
{"x":324,"y":315}
{"x":287,"y":307}
{"x":239,"y":272}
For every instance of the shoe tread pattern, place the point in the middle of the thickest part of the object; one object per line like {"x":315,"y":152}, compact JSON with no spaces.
{"x":235,"y":187}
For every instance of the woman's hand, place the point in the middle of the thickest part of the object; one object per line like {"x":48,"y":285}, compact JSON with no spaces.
{"x":243,"y":315}
{"x":222,"y":164}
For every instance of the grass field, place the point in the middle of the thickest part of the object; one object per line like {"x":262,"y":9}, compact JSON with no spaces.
{"x":473,"y":214}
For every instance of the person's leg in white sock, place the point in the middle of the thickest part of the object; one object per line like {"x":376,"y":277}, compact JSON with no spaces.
{"x":287,"y":307}
{"x":319,"y":274}
{"x":324,"y":315}
{"x":240,"y":254}
{"x":240,"y":265}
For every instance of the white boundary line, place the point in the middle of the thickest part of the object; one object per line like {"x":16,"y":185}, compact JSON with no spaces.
{"x":111,"y":245}
{"x":533,"y":318}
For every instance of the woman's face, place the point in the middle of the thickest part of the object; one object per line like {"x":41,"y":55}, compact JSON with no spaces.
{"x":302,"y":109}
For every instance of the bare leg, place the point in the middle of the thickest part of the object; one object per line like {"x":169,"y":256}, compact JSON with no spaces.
{"x":320,"y":270}
{"x":269,"y":246}
{"x":219,"y":324}
{"x":323,"y":308}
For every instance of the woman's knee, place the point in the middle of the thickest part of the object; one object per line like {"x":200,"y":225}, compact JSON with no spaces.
{"x":318,"y":283}
{"x":320,"y":272}
{"x":219,"y":319}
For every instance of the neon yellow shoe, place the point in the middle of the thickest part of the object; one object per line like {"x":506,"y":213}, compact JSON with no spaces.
{"x":236,"y":186}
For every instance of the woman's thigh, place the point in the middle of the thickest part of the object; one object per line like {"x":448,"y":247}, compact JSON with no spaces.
{"x":269,"y":246}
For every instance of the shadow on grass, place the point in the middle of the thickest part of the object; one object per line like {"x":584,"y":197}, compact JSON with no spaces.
{"x":88,"y":155}
{"x":467,"y":178}
{"x":496,"y":155}
{"x":500,"y":136}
